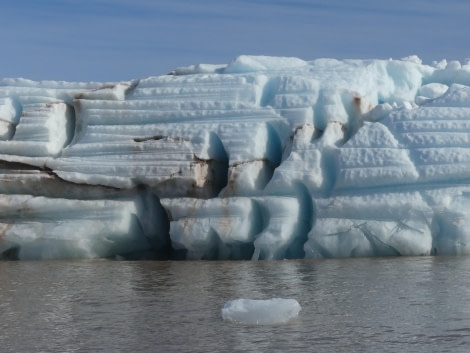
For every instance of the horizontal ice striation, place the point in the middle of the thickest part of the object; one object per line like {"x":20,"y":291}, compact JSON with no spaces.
{"x":46,"y":228}
{"x":384,"y":223}
{"x":179,"y":136}
{"x":263,"y":158}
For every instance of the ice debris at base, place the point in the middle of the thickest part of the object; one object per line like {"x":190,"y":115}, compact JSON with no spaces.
{"x":262,"y":158}
{"x":261,"y":312}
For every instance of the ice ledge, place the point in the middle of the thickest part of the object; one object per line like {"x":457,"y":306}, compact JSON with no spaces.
{"x":262,"y":158}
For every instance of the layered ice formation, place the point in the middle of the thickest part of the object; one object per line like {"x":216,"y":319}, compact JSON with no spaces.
{"x":262,"y":158}
{"x":273,"y":311}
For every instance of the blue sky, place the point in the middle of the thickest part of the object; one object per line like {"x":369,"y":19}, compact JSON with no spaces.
{"x":112,"y":40}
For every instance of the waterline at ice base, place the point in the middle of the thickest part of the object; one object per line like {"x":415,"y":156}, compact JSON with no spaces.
{"x":261,"y":158}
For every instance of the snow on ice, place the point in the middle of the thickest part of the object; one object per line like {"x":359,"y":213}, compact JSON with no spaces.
{"x":262,"y":158}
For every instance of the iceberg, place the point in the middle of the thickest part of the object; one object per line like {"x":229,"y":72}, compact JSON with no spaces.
{"x":273,"y":311}
{"x":260,"y":158}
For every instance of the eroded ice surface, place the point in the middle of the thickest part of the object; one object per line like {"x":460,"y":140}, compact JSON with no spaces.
{"x":262,"y":158}
{"x":261,"y":312}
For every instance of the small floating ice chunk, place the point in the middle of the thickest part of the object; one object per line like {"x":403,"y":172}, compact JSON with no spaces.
{"x":261,"y":312}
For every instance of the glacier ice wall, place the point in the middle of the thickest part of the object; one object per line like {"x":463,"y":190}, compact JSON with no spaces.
{"x":262,"y":158}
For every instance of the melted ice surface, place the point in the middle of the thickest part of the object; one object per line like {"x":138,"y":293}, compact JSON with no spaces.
{"x":261,"y":158}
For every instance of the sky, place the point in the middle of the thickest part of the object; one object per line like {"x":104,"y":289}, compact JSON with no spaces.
{"x":116,"y":40}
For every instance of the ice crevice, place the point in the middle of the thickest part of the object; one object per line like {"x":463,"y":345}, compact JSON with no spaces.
{"x":262,"y":158}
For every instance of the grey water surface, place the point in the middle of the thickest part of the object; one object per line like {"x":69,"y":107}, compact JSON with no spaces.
{"x":402,"y":304}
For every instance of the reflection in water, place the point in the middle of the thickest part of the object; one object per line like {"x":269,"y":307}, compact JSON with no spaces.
{"x":348,"y":305}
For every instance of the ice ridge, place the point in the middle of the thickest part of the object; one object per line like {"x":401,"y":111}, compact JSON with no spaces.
{"x":262,"y":158}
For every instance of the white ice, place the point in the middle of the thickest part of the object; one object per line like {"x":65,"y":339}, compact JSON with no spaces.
{"x":261,"y":158}
{"x":273,"y":311}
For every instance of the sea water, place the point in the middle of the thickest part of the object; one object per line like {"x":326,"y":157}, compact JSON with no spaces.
{"x":399,"y":304}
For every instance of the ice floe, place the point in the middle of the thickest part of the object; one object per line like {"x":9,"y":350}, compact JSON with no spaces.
{"x":273,"y":311}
